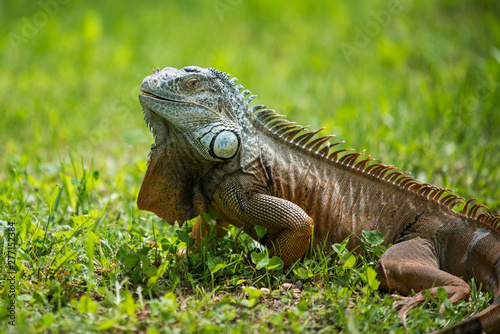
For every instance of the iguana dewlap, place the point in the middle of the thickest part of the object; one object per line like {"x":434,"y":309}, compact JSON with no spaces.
{"x":255,"y":168}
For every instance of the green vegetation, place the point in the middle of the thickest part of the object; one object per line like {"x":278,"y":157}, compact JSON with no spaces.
{"x":416,"y":85}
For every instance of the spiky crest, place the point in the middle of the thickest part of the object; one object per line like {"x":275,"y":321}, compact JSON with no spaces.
{"x":302,"y":139}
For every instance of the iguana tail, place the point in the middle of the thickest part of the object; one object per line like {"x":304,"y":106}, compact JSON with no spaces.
{"x":479,"y":259}
{"x":488,"y":320}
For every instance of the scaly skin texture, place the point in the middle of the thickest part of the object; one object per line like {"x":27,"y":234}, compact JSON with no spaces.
{"x":255,"y":168}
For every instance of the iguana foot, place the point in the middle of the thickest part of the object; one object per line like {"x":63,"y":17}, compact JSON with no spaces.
{"x":405,"y":304}
{"x":201,"y":229}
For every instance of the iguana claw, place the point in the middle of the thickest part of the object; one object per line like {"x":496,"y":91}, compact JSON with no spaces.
{"x":236,"y":239}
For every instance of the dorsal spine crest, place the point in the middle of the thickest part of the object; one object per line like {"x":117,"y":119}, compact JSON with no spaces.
{"x":299,"y":137}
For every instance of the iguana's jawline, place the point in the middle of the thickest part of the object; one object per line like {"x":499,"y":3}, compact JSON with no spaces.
{"x":152,"y":96}
{"x":148,"y":95}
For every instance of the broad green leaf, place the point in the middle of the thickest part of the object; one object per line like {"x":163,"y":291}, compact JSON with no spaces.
{"x":350,"y":261}
{"x":260,"y":259}
{"x":159,"y":273}
{"x":81,"y":221}
{"x":215,"y":264}
{"x":106,"y":325}
{"x":345,"y":293}
{"x":87,"y":305}
{"x":48,"y":319}
{"x":253,"y":296}
{"x":369,"y":275}
{"x":275,"y":263}
{"x":132,"y":259}
{"x":210,"y":263}
{"x":217,"y":267}
{"x":183,"y":236}
{"x":261,"y":230}
{"x":162,"y":269}
{"x":95,"y":214}
{"x":303,"y":305}
{"x":441,"y":294}
{"x":340,"y":248}
{"x":149,"y":270}
{"x":374,"y":237}
{"x":24,"y":298}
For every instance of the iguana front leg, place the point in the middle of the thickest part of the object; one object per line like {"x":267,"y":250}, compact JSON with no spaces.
{"x":201,"y":229}
{"x":289,"y":228}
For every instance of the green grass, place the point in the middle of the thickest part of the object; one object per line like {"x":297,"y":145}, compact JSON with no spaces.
{"x":420,"y":92}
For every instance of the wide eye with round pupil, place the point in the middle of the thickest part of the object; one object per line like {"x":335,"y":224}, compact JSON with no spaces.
{"x":192,"y":83}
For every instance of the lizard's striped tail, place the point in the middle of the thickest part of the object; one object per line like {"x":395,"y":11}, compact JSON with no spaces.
{"x":486,"y":321}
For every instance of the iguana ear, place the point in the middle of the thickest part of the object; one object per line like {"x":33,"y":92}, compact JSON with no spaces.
{"x":168,"y":190}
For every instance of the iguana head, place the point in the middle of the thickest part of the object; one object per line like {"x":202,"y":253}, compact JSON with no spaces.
{"x":194,"y":101}
{"x":192,"y":115}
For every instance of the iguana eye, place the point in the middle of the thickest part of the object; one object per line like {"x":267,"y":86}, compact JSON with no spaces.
{"x":219,"y":105}
{"x":192,"y":83}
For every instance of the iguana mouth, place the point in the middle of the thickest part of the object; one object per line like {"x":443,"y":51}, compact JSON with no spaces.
{"x":150,"y":95}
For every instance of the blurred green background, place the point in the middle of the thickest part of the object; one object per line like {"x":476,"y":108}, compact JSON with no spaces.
{"x":398,"y":78}
{"x":413,"y":80}
{"x":415,"y":83}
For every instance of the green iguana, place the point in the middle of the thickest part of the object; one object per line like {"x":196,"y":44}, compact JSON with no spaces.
{"x":253,"y":167}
